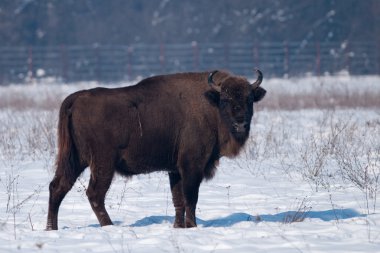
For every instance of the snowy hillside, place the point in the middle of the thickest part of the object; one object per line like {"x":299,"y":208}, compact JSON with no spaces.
{"x":307,"y":181}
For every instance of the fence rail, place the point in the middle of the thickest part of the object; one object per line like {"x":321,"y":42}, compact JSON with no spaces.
{"x":115,"y":63}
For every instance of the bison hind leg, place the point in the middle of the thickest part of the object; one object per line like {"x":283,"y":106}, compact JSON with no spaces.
{"x":58,"y":188}
{"x":100,"y":181}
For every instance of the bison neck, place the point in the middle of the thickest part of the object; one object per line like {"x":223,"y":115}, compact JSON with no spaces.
{"x":229,"y":145}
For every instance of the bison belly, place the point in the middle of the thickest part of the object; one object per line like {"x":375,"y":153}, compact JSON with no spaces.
{"x":153,"y":150}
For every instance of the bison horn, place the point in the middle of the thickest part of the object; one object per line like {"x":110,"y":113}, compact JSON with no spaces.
{"x":212,"y":83}
{"x":259,"y":79}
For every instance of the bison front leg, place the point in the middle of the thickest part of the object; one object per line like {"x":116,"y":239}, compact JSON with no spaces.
{"x":191,"y":183}
{"x":178,"y":202}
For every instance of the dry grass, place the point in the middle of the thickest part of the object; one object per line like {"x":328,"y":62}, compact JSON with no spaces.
{"x":320,"y":101}
{"x":322,"y":93}
{"x":29,"y":97}
{"x":332,"y":100}
{"x":283,"y":94}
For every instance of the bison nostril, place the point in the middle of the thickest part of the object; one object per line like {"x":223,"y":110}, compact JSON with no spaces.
{"x":240,"y":127}
{"x":237,"y":108}
{"x":240,"y":120}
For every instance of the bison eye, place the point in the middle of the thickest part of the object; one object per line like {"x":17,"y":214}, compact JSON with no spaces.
{"x":223,"y":103}
{"x":237,"y":108}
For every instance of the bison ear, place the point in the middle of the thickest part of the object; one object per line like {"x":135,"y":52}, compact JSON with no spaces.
{"x":213,"y":97}
{"x":258,"y":94}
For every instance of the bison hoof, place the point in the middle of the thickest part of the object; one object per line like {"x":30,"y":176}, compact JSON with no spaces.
{"x":51,"y":225}
{"x":190,"y":224}
{"x":106,"y":224}
{"x":179,"y":225}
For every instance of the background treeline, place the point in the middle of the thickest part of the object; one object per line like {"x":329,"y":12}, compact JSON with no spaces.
{"x":82,"y":22}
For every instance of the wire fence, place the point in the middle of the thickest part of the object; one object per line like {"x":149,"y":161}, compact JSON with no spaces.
{"x":119,"y":62}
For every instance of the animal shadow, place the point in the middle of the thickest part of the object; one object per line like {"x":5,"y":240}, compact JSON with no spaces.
{"x":235,"y":218}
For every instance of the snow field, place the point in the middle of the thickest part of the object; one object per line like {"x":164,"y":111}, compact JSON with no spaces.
{"x":307,"y":181}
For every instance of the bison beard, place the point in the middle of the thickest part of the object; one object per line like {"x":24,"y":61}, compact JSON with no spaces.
{"x":181,"y":123}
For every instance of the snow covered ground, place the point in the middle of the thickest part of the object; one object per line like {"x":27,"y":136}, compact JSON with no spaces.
{"x":307,"y":181}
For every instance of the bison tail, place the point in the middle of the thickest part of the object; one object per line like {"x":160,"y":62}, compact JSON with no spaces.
{"x":67,"y":159}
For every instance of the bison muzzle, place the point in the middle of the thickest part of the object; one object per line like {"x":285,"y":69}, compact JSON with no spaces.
{"x":180,"y":123}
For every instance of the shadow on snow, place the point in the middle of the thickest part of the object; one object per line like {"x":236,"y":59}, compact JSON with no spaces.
{"x":230,"y":220}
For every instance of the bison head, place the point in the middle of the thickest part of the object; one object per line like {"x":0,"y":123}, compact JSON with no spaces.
{"x":234,"y":96}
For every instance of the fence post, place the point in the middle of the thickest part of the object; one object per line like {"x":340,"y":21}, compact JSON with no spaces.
{"x":378,"y":56}
{"x":98,"y":63}
{"x":286,"y":59}
{"x":226,"y":55}
{"x":1,"y":68}
{"x":348,"y":57}
{"x":256,"y":55}
{"x":194,"y":44}
{"x":162,"y":57}
{"x":64,"y":64}
{"x":30,"y":65}
{"x":376,"y":19}
{"x":129,"y":62}
{"x":318,"y":59}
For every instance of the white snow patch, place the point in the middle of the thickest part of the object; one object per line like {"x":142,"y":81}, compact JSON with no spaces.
{"x":243,"y":209}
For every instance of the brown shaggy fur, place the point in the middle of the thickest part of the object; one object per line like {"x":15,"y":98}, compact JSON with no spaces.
{"x":177,"y":123}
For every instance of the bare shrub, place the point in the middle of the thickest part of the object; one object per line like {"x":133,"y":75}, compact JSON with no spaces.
{"x":41,"y":135}
{"x":28,"y":134}
{"x":317,"y":153}
{"x":358,"y":156}
{"x":314,"y":158}
{"x":303,"y":207}
{"x":19,"y":142}
{"x":9,"y":150}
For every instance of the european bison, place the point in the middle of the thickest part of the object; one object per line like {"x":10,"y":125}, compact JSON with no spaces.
{"x":180,"y":123}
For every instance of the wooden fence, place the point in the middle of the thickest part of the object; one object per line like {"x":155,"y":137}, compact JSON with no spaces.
{"x":126,"y":62}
